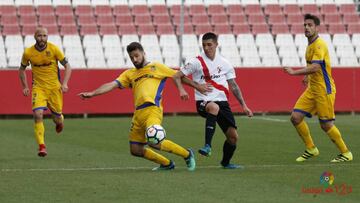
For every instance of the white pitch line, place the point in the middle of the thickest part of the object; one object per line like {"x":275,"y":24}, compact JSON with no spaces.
{"x":149,"y":168}
{"x":271,"y":119}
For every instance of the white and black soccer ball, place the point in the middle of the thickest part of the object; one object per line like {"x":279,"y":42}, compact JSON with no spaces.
{"x":155,"y":134}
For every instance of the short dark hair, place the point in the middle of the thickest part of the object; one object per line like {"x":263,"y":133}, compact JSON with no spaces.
{"x":309,"y":16}
{"x":210,"y":35}
{"x":134,"y":46}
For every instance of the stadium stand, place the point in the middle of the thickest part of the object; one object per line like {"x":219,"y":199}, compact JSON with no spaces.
{"x":252,"y":33}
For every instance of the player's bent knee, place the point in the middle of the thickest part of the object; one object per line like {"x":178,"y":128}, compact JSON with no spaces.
{"x":212,"y":108}
{"x":295,"y":120}
{"x":326,"y":126}
{"x":137,"y":153}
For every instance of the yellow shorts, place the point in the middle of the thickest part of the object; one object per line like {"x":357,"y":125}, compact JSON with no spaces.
{"x":47,"y":98}
{"x":311,"y":104}
{"x":142,"y":119}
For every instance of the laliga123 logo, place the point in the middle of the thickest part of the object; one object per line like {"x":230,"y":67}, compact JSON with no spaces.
{"x":326,"y":179}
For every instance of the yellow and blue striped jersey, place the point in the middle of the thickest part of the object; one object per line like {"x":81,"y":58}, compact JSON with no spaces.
{"x":44,"y":65}
{"x":320,"y":82}
{"x":147,"y":83}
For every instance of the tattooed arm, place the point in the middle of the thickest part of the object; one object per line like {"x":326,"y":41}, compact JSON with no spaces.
{"x":235,"y":89}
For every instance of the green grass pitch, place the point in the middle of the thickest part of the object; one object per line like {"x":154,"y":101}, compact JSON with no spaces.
{"x":90,"y":162}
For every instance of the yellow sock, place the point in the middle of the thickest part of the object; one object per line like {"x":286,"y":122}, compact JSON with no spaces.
{"x":169,"y":146}
{"x":39,"y":131}
{"x":304,"y":133}
{"x":335,"y":136}
{"x":155,"y":157}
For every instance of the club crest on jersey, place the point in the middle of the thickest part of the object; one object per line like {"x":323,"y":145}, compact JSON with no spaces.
{"x":218,"y":69}
{"x":153,"y":68}
{"x":48,"y":53}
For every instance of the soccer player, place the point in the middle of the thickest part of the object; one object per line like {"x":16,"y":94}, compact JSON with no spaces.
{"x":210,"y":67}
{"x":319,"y":96}
{"x":147,"y":80}
{"x":47,"y":90}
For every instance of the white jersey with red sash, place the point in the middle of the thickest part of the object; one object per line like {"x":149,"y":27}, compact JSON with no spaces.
{"x":216,"y":72}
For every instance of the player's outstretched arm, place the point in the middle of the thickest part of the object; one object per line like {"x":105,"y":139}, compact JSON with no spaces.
{"x":107,"y":87}
{"x":177,"y":80}
{"x":67,"y":75}
{"x":23,"y":80}
{"x":235,"y":89}
{"x":310,"y":69}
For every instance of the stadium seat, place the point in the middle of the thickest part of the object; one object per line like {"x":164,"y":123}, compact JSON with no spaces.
{"x":356,"y":39}
{"x":251,"y":2}
{"x":256,"y":19}
{"x":241,"y":29}
{"x":66,"y":20}
{"x":127,"y":39}
{"x":195,"y":10}
{"x":219,"y":19}
{"x":56,"y":39}
{"x":124,"y":20}
{"x":216,"y":9}
{"x":279,"y":29}
{"x":260,"y":28}
{"x":251,"y":61}
{"x":127,"y":29}
{"x":284,"y":39}
{"x":271,"y":9}
{"x":291,"y":61}
{"x":57,"y":3}
{"x":271,"y":61}
{"x":108,"y":30}
{"x":276,"y":19}
{"x":332,"y":19}
{"x":26,"y":11}
{"x":146,"y":30}
{"x":161,"y":19}
{"x":86,"y":20}
{"x":88,"y":30}
{"x":347,"y":8}
{"x":105,"y":20}
{"x":24,"y":2}
{"x":237,"y":19}
{"x":137,"y":2}
{"x":121,"y":10}
{"x":353,"y":28}
{"x":85,"y":10}
{"x":64,"y":11}
{"x":158,"y":10}
{"x":351,"y":19}
{"x":81,"y":2}
{"x":100,"y":2}
{"x":231,"y":2}
{"x":45,"y":11}
{"x":336,"y":29}
{"x":103,"y":10}
{"x":28,"y":20}
{"x":164,"y":29}
{"x":306,"y":2}
{"x":155,"y":2}
{"x":234,"y":9}
{"x":68,"y":30}
{"x":9,"y":20}
{"x":28,"y":30}
{"x":222,"y":29}
{"x":253,"y":9}
{"x":202,"y":28}
{"x":349,"y":61}
{"x":187,"y":29}
{"x":341,"y":40}
{"x":142,"y":20}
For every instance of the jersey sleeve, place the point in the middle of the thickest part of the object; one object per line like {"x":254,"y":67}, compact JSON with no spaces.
{"x":24,"y":59}
{"x":319,"y":53}
{"x":165,"y":70}
{"x":123,"y":80}
{"x":59,"y":55}
{"x":231,"y":71}
{"x":190,"y":67}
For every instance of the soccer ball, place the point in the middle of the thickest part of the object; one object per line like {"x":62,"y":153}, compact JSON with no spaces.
{"x":155,"y":134}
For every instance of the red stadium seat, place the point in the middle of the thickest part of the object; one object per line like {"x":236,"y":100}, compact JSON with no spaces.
{"x":175,"y":10}
{"x":200,"y":19}
{"x":234,"y":9}
{"x":351,"y":18}
{"x":26,"y":11}
{"x":280,"y":29}
{"x":197,"y":10}
{"x":276,"y":19}
{"x":219,"y":19}
{"x":127,"y":29}
{"x":188,"y":29}
{"x":46,"y":20}
{"x":292,"y":9}
{"x":146,"y":29}
{"x":88,"y":30}
{"x":295,"y":19}
{"x":216,"y":10}
{"x":165,"y":29}
{"x":140,"y":10}
{"x":202,"y":28}
{"x":253,"y":9}
{"x":326,"y":9}
{"x":332,"y":19}
{"x":311,"y":8}
{"x":176,"y":20}
{"x":83,"y":10}
{"x":297,"y":29}
{"x":353,"y":28}
{"x":68,"y":30}
{"x":9,"y":20}
{"x":108,"y":30}
{"x":237,"y":19}
{"x":256,"y":19}
{"x":28,"y":30}
{"x":28,"y":20}
{"x":159,"y":10}
{"x":102,"y":10}
{"x":120,"y":10}
{"x":11,"y":30}
{"x":336,"y":29}
{"x":347,"y":8}
{"x":105,"y":20}
{"x":323,"y":28}
{"x":143,"y":20}
{"x":52,"y":29}
{"x":64,"y":10}
{"x":86,"y":20}
{"x":241,"y":29}
{"x":66,"y":20}
{"x":124,"y":20}
{"x":7,"y":10}
{"x":45,"y":11}
{"x":222,"y":29}
{"x":260,"y":28}
{"x":271,"y":9}
{"x":161,"y":19}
